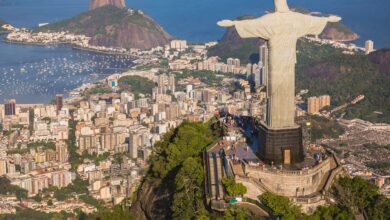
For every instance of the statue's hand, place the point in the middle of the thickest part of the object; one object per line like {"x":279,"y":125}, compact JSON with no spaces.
{"x":334,"y":18}
{"x":226,"y":23}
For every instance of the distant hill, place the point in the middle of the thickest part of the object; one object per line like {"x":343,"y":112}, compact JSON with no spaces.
{"x":111,"y":26}
{"x":232,"y":45}
{"x":325,"y":70}
{"x":338,"y":32}
{"x":1,"y":24}
{"x":382,"y":59}
{"x":333,"y":31}
{"x":94,"y":4}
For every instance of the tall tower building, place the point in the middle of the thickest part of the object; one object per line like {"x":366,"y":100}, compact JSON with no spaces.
{"x":134,"y":140}
{"x":61,"y":152}
{"x":59,"y":102}
{"x":230,"y":61}
{"x":313,"y":105}
{"x":10,"y":107}
{"x":263,"y":60}
{"x":369,"y":46}
{"x":324,"y":101}
{"x":237,"y":62}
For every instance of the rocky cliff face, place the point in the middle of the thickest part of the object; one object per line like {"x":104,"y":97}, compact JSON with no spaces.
{"x":93,"y":4}
{"x":153,"y":202}
{"x":111,"y":26}
{"x":338,"y":32}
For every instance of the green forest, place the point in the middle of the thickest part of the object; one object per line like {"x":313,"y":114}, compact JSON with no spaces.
{"x":325,"y":70}
{"x":136,"y":84}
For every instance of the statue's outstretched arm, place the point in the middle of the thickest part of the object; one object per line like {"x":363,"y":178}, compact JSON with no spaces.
{"x":226,"y":23}
{"x":333,"y":18}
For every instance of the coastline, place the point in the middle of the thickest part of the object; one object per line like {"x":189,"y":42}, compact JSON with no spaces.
{"x":72,"y":45}
{"x":75,"y":47}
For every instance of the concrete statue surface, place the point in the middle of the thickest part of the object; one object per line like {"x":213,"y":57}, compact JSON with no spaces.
{"x":281,"y":30}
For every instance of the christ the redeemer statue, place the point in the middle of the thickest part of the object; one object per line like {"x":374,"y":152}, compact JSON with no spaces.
{"x":281,"y":30}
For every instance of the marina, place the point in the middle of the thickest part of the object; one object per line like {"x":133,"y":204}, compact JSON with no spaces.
{"x":59,"y":69}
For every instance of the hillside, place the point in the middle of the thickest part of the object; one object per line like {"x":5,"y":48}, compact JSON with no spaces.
{"x":382,"y":59}
{"x":325,"y":70}
{"x":333,"y":31}
{"x":338,"y":32}
{"x":111,"y":26}
{"x":232,"y":45}
{"x":94,"y":4}
{"x":1,"y":24}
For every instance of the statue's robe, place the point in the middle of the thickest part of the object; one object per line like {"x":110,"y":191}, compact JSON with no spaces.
{"x":281,"y":31}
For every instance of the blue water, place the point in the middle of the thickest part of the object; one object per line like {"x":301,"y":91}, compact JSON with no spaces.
{"x":191,"y":20}
{"x":35,"y":74}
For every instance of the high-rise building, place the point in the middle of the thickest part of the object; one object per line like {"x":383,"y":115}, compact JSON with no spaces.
{"x":134,"y":144}
{"x":324,"y":101}
{"x":237,"y":62}
{"x":249,"y":68}
{"x":172,"y":111}
{"x":3,"y":167}
{"x":257,"y":78}
{"x":10,"y":107}
{"x":230,"y":61}
{"x":179,"y":44}
{"x":263,"y":62}
{"x":315,"y":104}
{"x":59,"y":102}
{"x":369,"y":46}
{"x":61,"y":152}
{"x":166,"y":82}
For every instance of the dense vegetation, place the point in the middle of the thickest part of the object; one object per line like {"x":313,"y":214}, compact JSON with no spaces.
{"x":74,"y":157}
{"x":177,"y":161}
{"x":353,"y":196}
{"x":78,"y":186}
{"x":35,"y":145}
{"x":136,"y":84}
{"x":6,"y":188}
{"x":325,"y":70}
{"x":206,"y":76}
{"x":99,"y":88}
{"x":177,"y":165}
{"x":113,"y":27}
{"x":114,"y":15}
{"x":322,"y":127}
{"x":118,"y":212}
{"x":31,"y":214}
{"x":232,"y":188}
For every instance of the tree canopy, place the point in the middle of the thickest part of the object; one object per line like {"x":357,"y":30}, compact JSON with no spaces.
{"x":233,"y":188}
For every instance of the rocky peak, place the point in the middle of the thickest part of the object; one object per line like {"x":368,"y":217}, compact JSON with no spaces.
{"x":93,"y":4}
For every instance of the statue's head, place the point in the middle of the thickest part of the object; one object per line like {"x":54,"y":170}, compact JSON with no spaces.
{"x":281,"y":6}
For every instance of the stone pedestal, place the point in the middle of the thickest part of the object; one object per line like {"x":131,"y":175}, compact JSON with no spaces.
{"x":280,"y":146}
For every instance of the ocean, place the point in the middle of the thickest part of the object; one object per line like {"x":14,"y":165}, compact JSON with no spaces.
{"x":35,"y":74}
